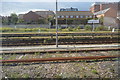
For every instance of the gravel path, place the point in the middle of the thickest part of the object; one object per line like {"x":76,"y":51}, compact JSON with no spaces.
{"x":105,"y":69}
{"x":77,"y":69}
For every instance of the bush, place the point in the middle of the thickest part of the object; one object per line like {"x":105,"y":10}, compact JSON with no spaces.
{"x":7,"y":29}
{"x":101,"y":28}
{"x":28,"y":30}
{"x":88,"y":27}
{"x":78,"y":28}
{"x":43,"y":29}
{"x":70,"y":29}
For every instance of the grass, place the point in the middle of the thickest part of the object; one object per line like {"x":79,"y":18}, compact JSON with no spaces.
{"x":39,"y":30}
{"x":94,"y":71}
{"x":0,"y":57}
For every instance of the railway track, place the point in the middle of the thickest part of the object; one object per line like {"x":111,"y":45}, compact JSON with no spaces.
{"x":29,"y":39}
{"x":60,"y":51}
{"x":60,"y":59}
{"x":66,"y":43}
{"x":59,"y":34}
{"x":60,"y":42}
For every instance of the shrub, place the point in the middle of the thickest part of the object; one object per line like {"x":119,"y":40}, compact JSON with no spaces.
{"x":28,"y":30}
{"x":78,"y":28}
{"x":101,"y":28}
{"x":70,"y":29}
{"x":43,"y":29}
{"x":60,"y":29}
{"x":7,"y":29}
{"x":88,"y":27}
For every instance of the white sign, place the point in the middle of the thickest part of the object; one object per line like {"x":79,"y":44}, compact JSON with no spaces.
{"x":113,"y":30}
{"x":93,"y":21}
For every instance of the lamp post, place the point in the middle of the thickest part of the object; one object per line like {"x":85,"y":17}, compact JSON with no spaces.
{"x":56,"y":26}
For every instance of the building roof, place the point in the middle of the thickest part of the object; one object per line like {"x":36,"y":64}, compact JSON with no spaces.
{"x":31,"y":12}
{"x":74,"y":13}
{"x":44,"y":12}
{"x":102,"y":11}
{"x":69,"y":9}
{"x":20,"y":16}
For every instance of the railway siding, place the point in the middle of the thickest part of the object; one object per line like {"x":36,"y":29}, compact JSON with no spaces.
{"x":59,"y":34}
{"x":60,"y":59}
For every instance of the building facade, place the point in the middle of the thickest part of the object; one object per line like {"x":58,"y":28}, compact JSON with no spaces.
{"x":73,"y":17}
{"x":108,"y":13}
{"x":98,"y":6}
{"x":74,"y":14}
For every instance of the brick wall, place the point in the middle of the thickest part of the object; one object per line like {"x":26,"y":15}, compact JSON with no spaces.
{"x":95,"y":8}
{"x":31,"y":16}
{"x":110,"y":5}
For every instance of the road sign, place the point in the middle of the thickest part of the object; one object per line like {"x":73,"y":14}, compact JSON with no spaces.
{"x":93,"y":21}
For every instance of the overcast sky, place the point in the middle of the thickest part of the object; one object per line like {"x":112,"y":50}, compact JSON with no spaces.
{"x":23,"y":6}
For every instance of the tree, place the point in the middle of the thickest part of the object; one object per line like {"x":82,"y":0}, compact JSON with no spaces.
{"x":4,"y":20}
{"x":101,"y":20}
{"x":42,"y":21}
{"x":20,"y":21}
{"x":14,"y":18}
{"x":50,"y":20}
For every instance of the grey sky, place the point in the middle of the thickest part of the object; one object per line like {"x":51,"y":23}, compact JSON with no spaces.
{"x":23,"y":6}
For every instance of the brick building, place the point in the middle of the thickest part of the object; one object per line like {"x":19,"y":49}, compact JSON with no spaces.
{"x":31,"y":17}
{"x":98,"y":6}
{"x":35,"y":16}
{"x":74,"y":16}
{"x":45,"y":14}
{"x":107,"y":11}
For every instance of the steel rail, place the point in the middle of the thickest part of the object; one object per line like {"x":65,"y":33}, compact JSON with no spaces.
{"x":60,"y":51}
{"x":53,"y":34}
{"x":60,"y":43}
{"x":60,"y":59}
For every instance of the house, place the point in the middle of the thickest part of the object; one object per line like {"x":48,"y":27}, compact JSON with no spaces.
{"x":108,"y":13}
{"x":31,"y":17}
{"x":20,"y":16}
{"x":98,"y":6}
{"x":109,"y":17}
{"x":45,"y":14}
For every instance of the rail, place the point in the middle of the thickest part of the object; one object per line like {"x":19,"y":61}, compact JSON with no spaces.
{"x":60,"y":59}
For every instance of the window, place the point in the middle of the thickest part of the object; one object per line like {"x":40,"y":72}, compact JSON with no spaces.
{"x":62,"y":16}
{"x":90,"y":16}
{"x":77,"y":16}
{"x":66,"y":16}
{"x":81,"y":16}
{"x":71,"y":16}
{"x":86,"y":16}
{"x":58,"y":16}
